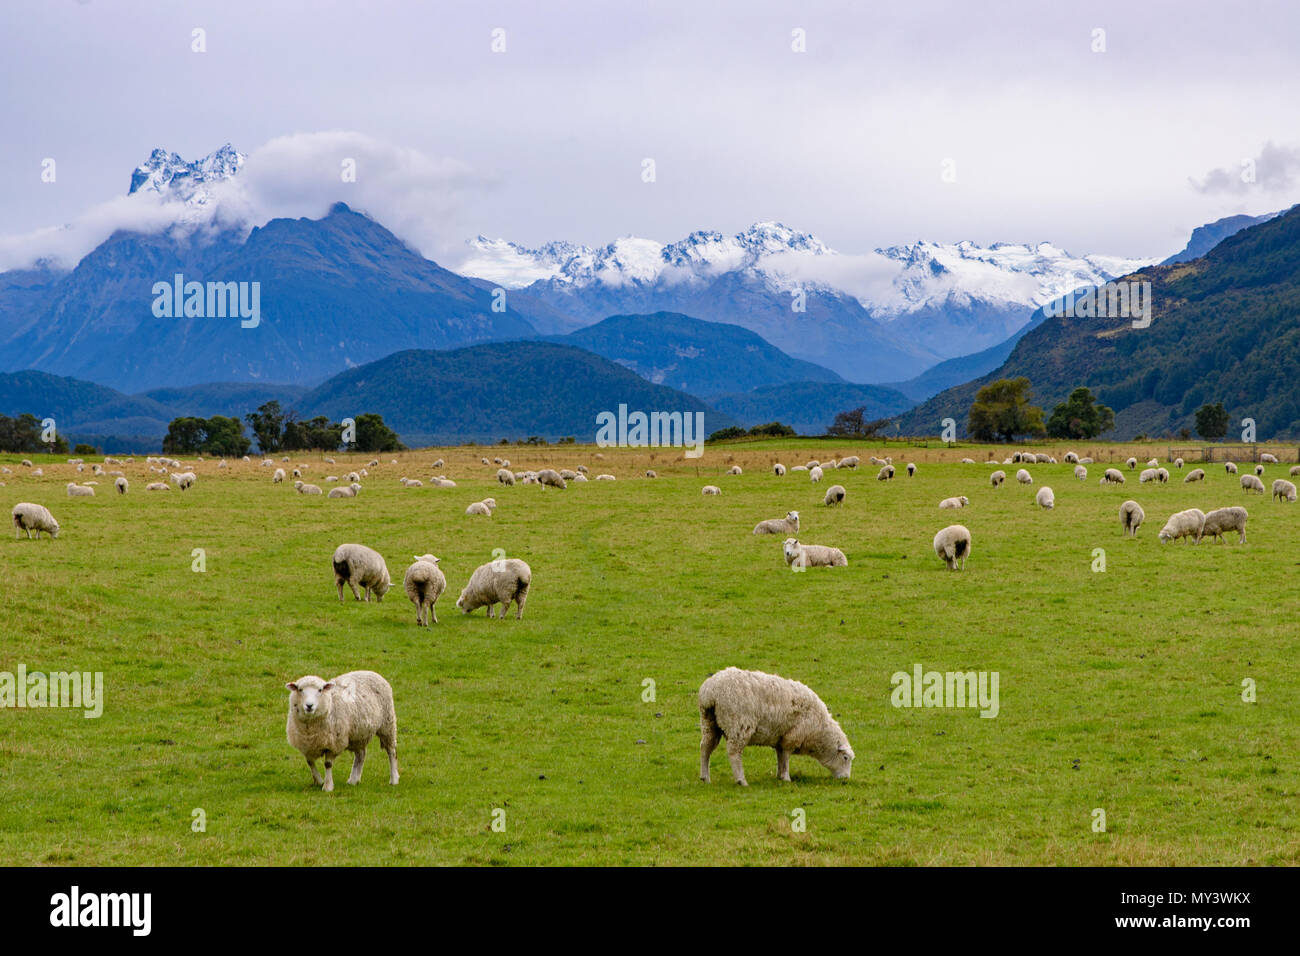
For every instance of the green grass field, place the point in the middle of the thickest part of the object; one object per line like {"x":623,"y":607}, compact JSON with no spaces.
{"x":1119,"y":690}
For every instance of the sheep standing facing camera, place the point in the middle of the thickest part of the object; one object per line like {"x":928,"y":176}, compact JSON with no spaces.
{"x":329,"y":717}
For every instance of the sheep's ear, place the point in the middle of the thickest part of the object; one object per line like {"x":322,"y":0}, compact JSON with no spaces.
{"x":291,"y":686}
{"x":328,"y":686}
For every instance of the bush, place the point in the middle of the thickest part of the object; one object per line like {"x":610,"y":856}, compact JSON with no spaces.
{"x":731,"y":431}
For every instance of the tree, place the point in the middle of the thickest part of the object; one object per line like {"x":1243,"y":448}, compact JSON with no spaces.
{"x":217,"y":435}
{"x":184,"y":436}
{"x":374,"y":435}
{"x":318,"y":434}
{"x":1002,"y":411}
{"x":853,"y":423}
{"x":773,"y":429}
{"x":24,"y":434}
{"x":267,"y":424}
{"x":1080,"y":417}
{"x":1212,"y":421}
{"x":731,"y":431}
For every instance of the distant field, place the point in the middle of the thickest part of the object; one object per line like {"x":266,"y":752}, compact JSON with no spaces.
{"x":1119,"y":691}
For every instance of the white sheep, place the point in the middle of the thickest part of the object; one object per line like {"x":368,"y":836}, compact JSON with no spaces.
{"x":1113,"y":476}
{"x":121,"y":484}
{"x":1196,"y":474}
{"x":997,"y":478}
{"x":184,"y":480}
{"x":305,"y":489}
{"x":605,"y":478}
{"x":1131,"y":517}
{"x":1221,"y":520}
{"x":1268,"y":459}
{"x":80,"y":491}
{"x":424,"y":583}
{"x":346,"y":491}
{"x":505,"y":476}
{"x":1178,"y":463}
{"x":1071,"y":458}
{"x":1085,"y":461}
{"x":497,"y":582}
{"x":478,"y":508}
{"x":1229,"y":467}
{"x":1283,"y":490}
{"x":953,"y":545}
{"x":1295,"y":470}
{"x":1251,"y":483}
{"x":329,"y":717}
{"x":851,"y":462}
{"x":711,"y":490}
{"x":355,"y":564}
{"x":800,"y":556}
{"x":787,"y":525}
{"x":959,"y":502}
{"x":437,"y":464}
{"x":815,"y":473}
{"x":1162,"y":475}
{"x":1132,"y":463}
{"x":1148,"y":474}
{"x":417,"y":483}
{"x":1045,"y":498}
{"x":734,"y":470}
{"x":1184,"y":524}
{"x":157,"y":486}
{"x":885,"y":474}
{"x":30,"y":517}
{"x":751,"y":708}
{"x":835,"y":495}
{"x":652,"y":473}
{"x":968,"y":461}
{"x":778,"y":469}
{"x":1080,"y":472}
{"x":278,"y":476}
{"x":1153,"y":463}
{"x":911,"y":469}
{"x":1259,"y":469}
{"x":549,"y":477}
{"x":1024,"y":477}
{"x":568,"y":474}
{"x":815,"y":463}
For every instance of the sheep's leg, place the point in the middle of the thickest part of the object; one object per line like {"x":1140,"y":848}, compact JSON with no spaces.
{"x":339,"y":582}
{"x":315,"y":774}
{"x":388,"y":740}
{"x":735,"y":749}
{"x":782,"y":763}
{"x":431,"y":613}
{"x":358,"y":761}
{"x":709,"y":737}
{"x":355,"y":593}
{"x":520,"y":598}
{"x":329,"y":774}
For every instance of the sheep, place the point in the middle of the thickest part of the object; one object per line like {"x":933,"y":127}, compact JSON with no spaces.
{"x":1178,"y":463}
{"x":439,"y":464}
{"x":478,"y":508}
{"x":1162,"y":475}
{"x":1131,"y":517}
{"x":1080,"y":472}
{"x":1024,"y":477}
{"x":1153,"y":463}
{"x":968,"y":461}
{"x":1045,"y":459}
{"x":1085,"y":461}
{"x":851,"y":462}
{"x":1148,"y":474}
{"x":1045,"y":498}
{"x":953,"y":545}
{"x":751,"y":708}
{"x":815,"y":474}
{"x":331,"y":479}
{"x":550,"y":477}
{"x":787,"y":525}
{"x":877,"y":461}
{"x":997,"y":478}
{"x":346,"y":491}
{"x":815,"y":464}
{"x":305,"y":489}
{"x":1185,"y":524}
{"x":1113,"y":476}
{"x":605,"y":478}
{"x":297,"y":473}
{"x":497,"y":582}
{"x":278,"y":476}
{"x":959,"y":502}
{"x":505,"y":476}
{"x":1196,"y":474}
{"x":157,"y":486}
{"x":29,"y":517}
{"x":568,"y":474}
{"x":911,"y":469}
{"x":734,"y":470}
{"x":1221,"y":520}
{"x":424,"y":582}
{"x":329,"y":717}
{"x":1132,"y":463}
{"x":1259,"y":469}
{"x":505,"y":463}
{"x":581,"y":477}
{"x":121,"y":484}
{"x":834,"y":495}
{"x":481,"y":460}
{"x":27,"y":463}
{"x":1251,"y":483}
{"x":1268,"y":459}
{"x":1295,"y":470}
{"x":356,"y":564}
{"x":417,"y":483}
{"x":779,"y":470}
{"x":885,"y":474}
{"x":652,"y":474}
{"x":1283,"y":490}
{"x":1229,"y":467}
{"x":794,"y":468}
{"x":185,"y":480}
{"x":582,"y":469}
{"x":40,"y":472}
{"x":80,"y":491}
{"x":441,"y":481}
{"x":800,"y":556}
{"x":351,"y":476}
{"x":711,"y":490}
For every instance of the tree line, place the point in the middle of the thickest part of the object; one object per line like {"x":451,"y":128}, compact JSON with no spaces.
{"x":275,"y":429}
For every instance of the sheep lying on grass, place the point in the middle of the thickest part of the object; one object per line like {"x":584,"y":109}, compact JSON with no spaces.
{"x":1131,"y":517}
{"x":481,"y":508}
{"x":751,"y":708}
{"x":346,"y":491}
{"x":1221,"y":520}
{"x":787,"y":525}
{"x":959,"y":502}
{"x":355,"y":564}
{"x":424,"y":582}
{"x":734,"y":470}
{"x":329,"y":717}
{"x":800,"y":556}
{"x":1184,"y":524}
{"x":953,"y":545}
{"x":305,"y":489}
{"x":29,"y":517}
{"x":497,"y":582}
{"x":711,"y":490}
{"x":157,"y":486}
{"x":80,"y":491}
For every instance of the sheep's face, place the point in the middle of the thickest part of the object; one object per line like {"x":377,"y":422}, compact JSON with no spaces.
{"x":54,"y":526}
{"x":1165,"y":536}
{"x":383,"y":587}
{"x":464,"y":603}
{"x":840,"y":760}
{"x":964,"y":501}
{"x":793,"y":518}
{"x":308,"y":698}
{"x":791,"y":549}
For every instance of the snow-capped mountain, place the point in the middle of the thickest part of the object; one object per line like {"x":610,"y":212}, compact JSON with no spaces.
{"x":169,"y":175}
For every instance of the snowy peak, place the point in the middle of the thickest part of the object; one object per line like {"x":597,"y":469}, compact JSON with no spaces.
{"x":172,"y":177}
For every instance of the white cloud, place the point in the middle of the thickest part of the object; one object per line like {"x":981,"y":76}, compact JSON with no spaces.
{"x":1275,"y":169}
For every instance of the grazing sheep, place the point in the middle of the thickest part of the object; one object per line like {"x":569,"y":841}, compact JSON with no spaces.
{"x":568,"y":474}
{"x":997,"y":478}
{"x":1251,"y":483}
{"x":911,"y":469}
{"x":835,"y":495}
{"x":885,"y":474}
{"x":1153,"y":463}
{"x":550,"y":477}
{"x":157,"y":486}
{"x":1295,"y":470}
{"x":29,"y":517}
{"x":959,"y":502}
{"x":1132,"y":463}
{"x":1259,"y":469}
{"x":121,"y":485}
{"x":1080,"y":472}
{"x":1085,"y":461}
{"x":424,"y":582}
{"x":778,"y":469}
{"x":185,"y":480}
{"x":347,"y":491}
{"x":1221,"y":520}
{"x":1268,"y":459}
{"x":787,"y":525}
{"x":438,"y":463}
{"x":278,"y":476}
{"x":652,"y":474}
{"x":1178,"y":463}
{"x":483,"y":461}
{"x":1113,"y":476}
{"x":297,"y":473}
{"x":800,"y":556}
{"x":1045,"y":498}
{"x":505,"y":476}
{"x":355,"y":564}
{"x":329,"y":717}
{"x":497,"y":582}
{"x":1162,"y":475}
{"x":851,"y":462}
{"x":711,"y":490}
{"x":1024,"y":477}
{"x":751,"y":708}
{"x":734,"y":470}
{"x":581,"y":477}
{"x":1196,"y":474}
{"x":1131,"y":517}
{"x":953,"y":545}
{"x":478,"y":508}
{"x":1283,"y":490}
{"x":1229,"y":467}
{"x":582,"y":469}
{"x":1185,"y":524}
{"x":305,"y":489}
{"x":1148,"y":474}
{"x":815,"y":473}
{"x":80,"y":491}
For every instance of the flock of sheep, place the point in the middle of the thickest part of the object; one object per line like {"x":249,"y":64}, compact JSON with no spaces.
{"x":748,"y":708}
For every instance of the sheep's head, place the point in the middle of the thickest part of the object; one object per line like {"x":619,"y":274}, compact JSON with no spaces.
{"x":791,"y":549}
{"x":308,"y":699}
{"x":964,"y":501}
{"x":462,"y":602}
{"x":54,"y":525}
{"x":793,"y":518}
{"x":837,"y":755}
{"x":1165,"y":536}
{"x":427,"y":557}
{"x":385,"y":584}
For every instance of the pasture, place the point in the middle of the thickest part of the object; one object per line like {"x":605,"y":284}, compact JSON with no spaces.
{"x":1120,"y":690}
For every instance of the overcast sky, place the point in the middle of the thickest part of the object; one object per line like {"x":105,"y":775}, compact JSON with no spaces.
{"x":1120,"y":152}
